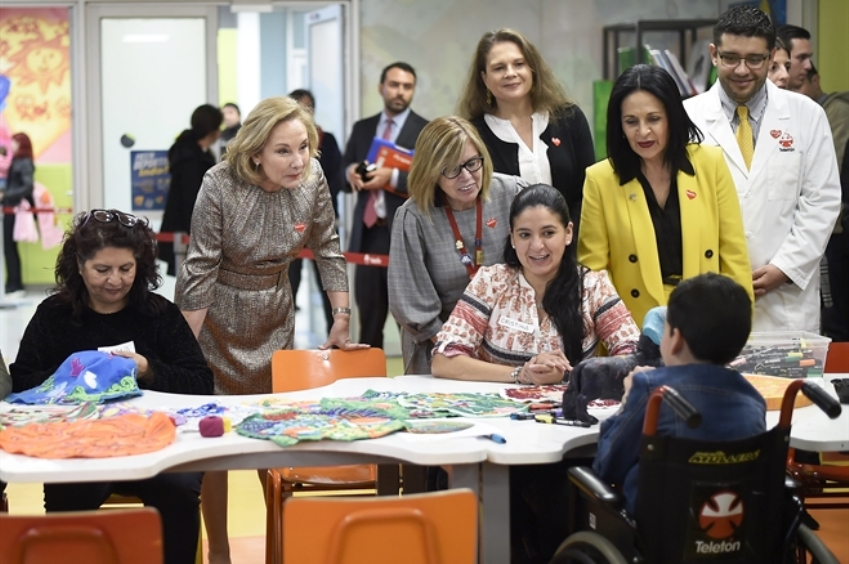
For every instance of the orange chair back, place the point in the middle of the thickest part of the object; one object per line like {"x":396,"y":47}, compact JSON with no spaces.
{"x":431,"y":528}
{"x":132,"y":536}
{"x":837,"y":359}
{"x":296,"y":370}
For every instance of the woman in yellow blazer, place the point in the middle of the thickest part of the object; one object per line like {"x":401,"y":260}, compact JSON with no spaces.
{"x":661,"y":208}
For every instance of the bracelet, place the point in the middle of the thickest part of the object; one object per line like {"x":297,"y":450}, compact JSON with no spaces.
{"x":514,"y":376}
{"x":338,"y":310}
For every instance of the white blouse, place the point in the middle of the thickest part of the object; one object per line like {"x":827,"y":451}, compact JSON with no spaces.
{"x":533,"y":163}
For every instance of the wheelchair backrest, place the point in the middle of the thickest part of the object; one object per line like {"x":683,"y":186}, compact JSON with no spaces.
{"x":713,"y":501}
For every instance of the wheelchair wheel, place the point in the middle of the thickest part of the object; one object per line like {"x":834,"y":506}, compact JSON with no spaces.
{"x":814,"y":546}
{"x":587,"y":547}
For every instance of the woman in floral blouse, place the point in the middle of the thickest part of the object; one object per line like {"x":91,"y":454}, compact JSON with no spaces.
{"x":530,"y":320}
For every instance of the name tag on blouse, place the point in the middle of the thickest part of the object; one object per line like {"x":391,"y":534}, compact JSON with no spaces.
{"x":515,"y":324}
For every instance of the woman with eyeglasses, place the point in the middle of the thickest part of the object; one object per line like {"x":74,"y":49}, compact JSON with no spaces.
{"x":454,"y":222}
{"x":255,"y":212}
{"x":106,"y":274}
{"x":662,"y":207}
{"x":531,"y":128}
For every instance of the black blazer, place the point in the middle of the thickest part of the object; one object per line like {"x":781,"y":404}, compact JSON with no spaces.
{"x":570,"y":152}
{"x":357,"y":150}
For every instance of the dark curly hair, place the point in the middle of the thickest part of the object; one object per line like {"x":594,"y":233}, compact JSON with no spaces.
{"x":564,"y":293}
{"x":747,"y":21}
{"x":85,"y":237}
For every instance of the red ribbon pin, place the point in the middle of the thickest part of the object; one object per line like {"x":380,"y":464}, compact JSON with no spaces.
{"x":299,"y":227}
{"x":491,"y":223}
{"x":691,"y":194}
{"x":556,"y":141}
{"x":776,"y":133}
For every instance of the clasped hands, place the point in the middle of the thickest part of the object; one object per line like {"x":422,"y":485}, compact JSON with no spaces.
{"x":545,"y":368}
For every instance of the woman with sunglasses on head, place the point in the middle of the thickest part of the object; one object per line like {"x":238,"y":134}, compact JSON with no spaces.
{"x":454,"y":222}
{"x":105,"y":277}
{"x":531,"y":128}
{"x":255,"y":212}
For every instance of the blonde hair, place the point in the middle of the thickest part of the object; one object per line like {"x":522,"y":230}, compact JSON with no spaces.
{"x":440,"y":145}
{"x":546,"y":92}
{"x":256,"y":130}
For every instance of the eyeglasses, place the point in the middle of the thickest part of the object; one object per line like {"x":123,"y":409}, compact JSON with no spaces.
{"x":753,"y":62}
{"x":107,"y":216}
{"x":472,"y":165}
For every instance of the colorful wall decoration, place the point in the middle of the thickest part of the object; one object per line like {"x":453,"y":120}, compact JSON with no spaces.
{"x":35,"y":59}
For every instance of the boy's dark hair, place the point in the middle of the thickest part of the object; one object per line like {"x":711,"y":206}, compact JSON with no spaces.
{"x":397,"y":65}
{"x":234,"y":106}
{"x":713,"y":314}
{"x":788,"y":32}
{"x":659,"y":83}
{"x":747,"y":21}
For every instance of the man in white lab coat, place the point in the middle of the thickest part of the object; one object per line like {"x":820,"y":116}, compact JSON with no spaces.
{"x":778,"y":146}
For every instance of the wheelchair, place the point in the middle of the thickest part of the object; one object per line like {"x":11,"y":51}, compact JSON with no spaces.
{"x":698,"y":501}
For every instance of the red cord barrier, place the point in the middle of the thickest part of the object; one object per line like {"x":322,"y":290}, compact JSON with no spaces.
{"x":14,"y":209}
{"x":364,"y":259}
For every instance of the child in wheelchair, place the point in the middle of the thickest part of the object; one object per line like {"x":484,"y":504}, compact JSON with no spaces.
{"x":699,"y":479}
{"x":708,"y":321}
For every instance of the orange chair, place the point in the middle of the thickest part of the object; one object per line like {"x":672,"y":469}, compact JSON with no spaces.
{"x":828,"y":482}
{"x":118,"y":500}
{"x":837,"y":359}
{"x":431,"y":528}
{"x":295,"y":370}
{"x":132,"y":536}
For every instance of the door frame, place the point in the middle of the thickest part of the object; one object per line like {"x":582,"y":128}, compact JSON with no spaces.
{"x":91,"y":195}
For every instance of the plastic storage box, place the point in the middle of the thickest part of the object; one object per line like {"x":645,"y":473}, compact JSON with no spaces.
{"x":789,"y":354}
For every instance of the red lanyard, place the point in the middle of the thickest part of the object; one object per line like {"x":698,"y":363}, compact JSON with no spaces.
{"x":465,"y":258}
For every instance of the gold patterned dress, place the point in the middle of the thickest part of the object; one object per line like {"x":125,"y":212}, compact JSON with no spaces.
{"x":243,"y":239}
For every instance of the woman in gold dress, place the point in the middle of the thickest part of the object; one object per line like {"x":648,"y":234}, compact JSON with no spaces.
{"x":254,"y":214}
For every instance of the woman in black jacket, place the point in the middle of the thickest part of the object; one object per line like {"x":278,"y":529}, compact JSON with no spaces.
{"x":528,"y":124}
{"x":19,"y":186}
{"x":188,"y":158}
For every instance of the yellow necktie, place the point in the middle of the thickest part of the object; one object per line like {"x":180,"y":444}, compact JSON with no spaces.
{"x":744,"y":135}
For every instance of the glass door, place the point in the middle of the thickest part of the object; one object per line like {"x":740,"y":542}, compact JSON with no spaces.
{"x":151,"y":66}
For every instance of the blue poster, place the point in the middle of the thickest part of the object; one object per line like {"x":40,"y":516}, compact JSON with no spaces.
{"x":150,"y":179}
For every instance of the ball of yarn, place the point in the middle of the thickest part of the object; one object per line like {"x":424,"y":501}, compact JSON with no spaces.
{"x":214,"y":426}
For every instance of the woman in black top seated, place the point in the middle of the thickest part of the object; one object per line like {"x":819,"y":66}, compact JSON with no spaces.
{"x":105,"y":274}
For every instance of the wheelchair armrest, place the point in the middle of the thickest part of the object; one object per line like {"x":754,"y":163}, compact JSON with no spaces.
{"x":586,"y":480}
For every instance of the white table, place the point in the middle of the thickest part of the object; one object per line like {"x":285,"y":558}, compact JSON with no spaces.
{"x":481,"y":465}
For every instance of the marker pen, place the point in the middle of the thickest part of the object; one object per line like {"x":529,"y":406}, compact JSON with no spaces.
{"x":549,"y":420}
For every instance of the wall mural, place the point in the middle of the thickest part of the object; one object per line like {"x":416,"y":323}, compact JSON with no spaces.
{"x":35,"y":77}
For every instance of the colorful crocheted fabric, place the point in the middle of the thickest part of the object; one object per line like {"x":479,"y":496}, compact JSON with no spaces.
{"x":20,"y":416}
{"x":101,"y":438}
{"x":86,"y":376}
{"x":463,"y":405}
{"x":289,"y":426}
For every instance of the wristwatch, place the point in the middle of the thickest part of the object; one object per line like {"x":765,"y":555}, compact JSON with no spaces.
{"x":337,"y":310}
